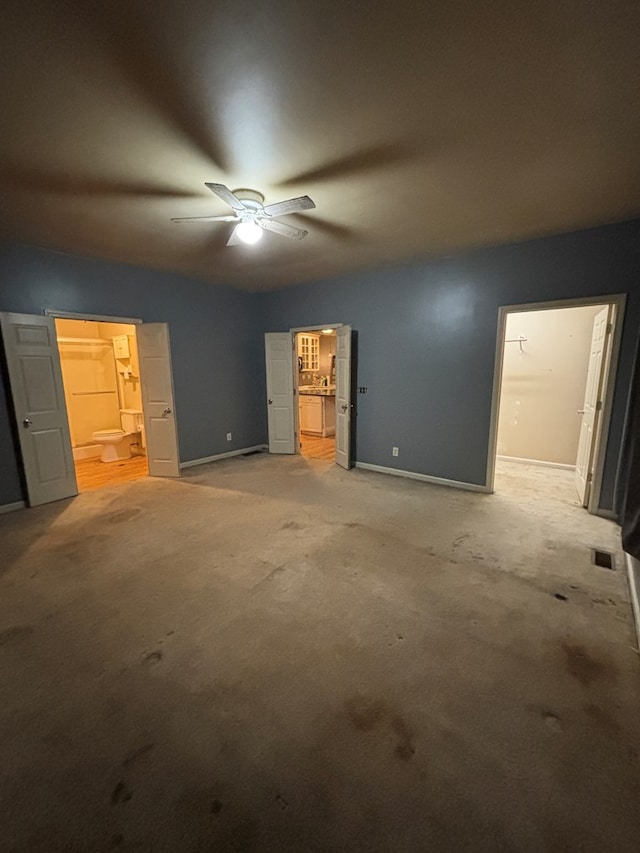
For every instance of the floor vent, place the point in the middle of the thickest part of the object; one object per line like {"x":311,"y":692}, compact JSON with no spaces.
{"x":604,"y":559}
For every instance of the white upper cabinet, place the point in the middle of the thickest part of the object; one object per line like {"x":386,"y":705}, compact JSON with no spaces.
{"x":309,"y":351}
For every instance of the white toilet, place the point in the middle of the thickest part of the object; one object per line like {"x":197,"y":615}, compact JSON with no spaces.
{"x":116,"y":443}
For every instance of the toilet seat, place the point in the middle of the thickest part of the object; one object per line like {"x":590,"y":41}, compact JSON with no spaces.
{"x":106,"y":433}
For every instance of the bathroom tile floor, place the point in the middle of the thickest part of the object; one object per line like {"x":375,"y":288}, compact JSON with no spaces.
{"x":94,"y":474}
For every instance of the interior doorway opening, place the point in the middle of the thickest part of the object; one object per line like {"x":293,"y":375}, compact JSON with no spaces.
{"x":316,"y":386}
{"x":103,"y":394}
{"x":555,"y":370}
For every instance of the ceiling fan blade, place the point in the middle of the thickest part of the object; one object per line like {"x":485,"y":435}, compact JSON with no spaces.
{"x":204,"y":218}
{"x":226,"y":195}
{"x":282,"y":228}
{"x":291,"y":205}
{"x":234,"y":240}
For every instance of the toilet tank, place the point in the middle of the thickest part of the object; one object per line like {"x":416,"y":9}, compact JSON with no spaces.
{"x":131,"y":420}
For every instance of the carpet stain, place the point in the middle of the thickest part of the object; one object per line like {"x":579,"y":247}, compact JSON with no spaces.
{"x":602,"y":719}
{"x":14,"y":635}
{"x":405,"y":749}
{"x":581,"y":665}
{"x":152,"y":658}
{"x":216,"y":807}
{"x":123,"y":515}
{"x":366,"y":714}
{"x":292,"y":525}
{"x":132,"y":756}
{"x":121,"y":794}
{"x":552,"y":721}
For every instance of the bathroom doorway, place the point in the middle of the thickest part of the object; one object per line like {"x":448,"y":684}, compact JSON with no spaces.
{"x":102,"y":389}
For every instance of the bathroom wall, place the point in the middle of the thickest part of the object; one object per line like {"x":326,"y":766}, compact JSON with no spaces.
{"x":89,"y":376}
{"x":543,"y":385}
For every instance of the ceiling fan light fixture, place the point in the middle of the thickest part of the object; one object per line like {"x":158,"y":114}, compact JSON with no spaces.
{"x":248,"y":232}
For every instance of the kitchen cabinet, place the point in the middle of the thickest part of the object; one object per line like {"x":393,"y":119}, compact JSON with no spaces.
{"x":309,"y":351}
{"x":317,"y":415}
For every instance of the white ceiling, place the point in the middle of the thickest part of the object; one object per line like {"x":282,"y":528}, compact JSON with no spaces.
{"x":418,"y":128}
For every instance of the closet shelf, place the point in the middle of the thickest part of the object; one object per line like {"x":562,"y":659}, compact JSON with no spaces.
{"x":96,"y":342}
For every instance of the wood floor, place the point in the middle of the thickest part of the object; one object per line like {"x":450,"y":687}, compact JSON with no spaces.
{"x":94,"y":474}
{"x":316,"y":447}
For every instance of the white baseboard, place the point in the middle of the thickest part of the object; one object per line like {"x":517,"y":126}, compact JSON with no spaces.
{"x":193,"y":462}
{"x":12,"y":507}
{"x":633,"y":574}
{"x":425,"y":478}
{"x":540,"y":462}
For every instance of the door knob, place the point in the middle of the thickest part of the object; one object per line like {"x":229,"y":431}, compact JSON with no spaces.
{"x":27,"y":422}
{"x":167,"y":411}
{"x":344,"y":407}
{"x":270,"y":401}
{"x":581,"y":411}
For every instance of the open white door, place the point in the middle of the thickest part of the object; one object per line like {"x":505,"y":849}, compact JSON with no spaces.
{"x":278,"y":347}
{"x":343,"y":396}
{"x":156,"y":384}
{"x":35,"y":376}
{"x":591,"y":409}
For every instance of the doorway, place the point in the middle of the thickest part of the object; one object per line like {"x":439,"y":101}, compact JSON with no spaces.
{"x":309,"y":386}
{"x":555,"y":370}
{"x":42,"y":428}
{"x":316,"y":385}
{"x":102,"y":389}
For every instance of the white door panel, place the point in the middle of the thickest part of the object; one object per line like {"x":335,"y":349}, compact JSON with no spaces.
{"x":35,"y":377}
{"x":279,"y":368}
{"x":592,"y":405}
{"x":343,"y":396}
{"x":156,"y":384}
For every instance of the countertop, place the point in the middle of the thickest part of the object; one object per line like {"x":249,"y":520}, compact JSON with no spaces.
{"x":317,"y":392}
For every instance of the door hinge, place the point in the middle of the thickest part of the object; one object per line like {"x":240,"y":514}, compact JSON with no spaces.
{"x":590,"y":477}
{"x":609,"y":328}
{"x":599,"y":406}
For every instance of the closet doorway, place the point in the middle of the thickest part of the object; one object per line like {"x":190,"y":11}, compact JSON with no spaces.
{"x":553,"y":389}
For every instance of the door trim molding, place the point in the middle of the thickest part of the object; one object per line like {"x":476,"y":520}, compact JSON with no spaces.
{"x":618,"y":301}
{"x":425,"y":478}
{"x":633,"y":577}
{"x":191,"y":463}
{"x":99,"y":318}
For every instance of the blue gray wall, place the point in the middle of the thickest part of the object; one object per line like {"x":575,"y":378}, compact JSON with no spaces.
{"x":427,"y":338}
{"x":426,"y":341}
{"x":216,"y":343}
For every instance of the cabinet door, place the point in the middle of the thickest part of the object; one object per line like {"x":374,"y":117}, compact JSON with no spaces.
{"x":304,"y":414}
{"x":315,"y":415}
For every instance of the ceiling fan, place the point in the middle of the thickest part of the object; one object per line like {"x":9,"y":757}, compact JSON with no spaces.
{"x":252,"y":216}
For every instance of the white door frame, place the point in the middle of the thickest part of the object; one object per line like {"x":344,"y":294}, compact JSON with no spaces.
{"x":100,"y":318}
{"x":296,"y":394}
{"x":618,"y":302}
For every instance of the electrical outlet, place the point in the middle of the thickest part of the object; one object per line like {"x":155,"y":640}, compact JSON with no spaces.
{"x":228,"y":436}
{"x":394,"y":451}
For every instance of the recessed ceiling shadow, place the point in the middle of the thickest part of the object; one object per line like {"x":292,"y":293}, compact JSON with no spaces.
{"x":376,"y":157}
{"x":33,"y":181}
{"x":128,"y":35}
